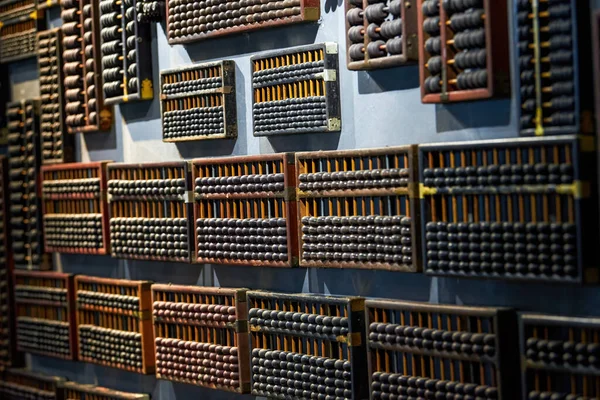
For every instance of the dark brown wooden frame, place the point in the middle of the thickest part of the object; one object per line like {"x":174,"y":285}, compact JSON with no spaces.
{"x":23,"y":14}
{"x":91,"y":392}
{"x":33,"y":382}
{"x":27,"y":7}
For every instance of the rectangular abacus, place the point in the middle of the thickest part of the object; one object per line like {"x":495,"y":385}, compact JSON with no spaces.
{"x":150,"y":211}
{"x":245,"y":210}
{"x":18,"y":34}
{"x":150,"y":10}
{"x":553,"y":54}
{"x":463,"y":50}
{"x":75,"y":208}
{"x":307,"y":346}
{"x":432,"y":351}
{"x":125,"y":49}
{"x":508,"y":209}
{"x":296,"y":90}
{"x":25,"y":220}
{"x":357,"y":209}
{"x":23,"y":384}
{"x":57,"y":145}
{"x":189,"y":22}
{"x":202,"y":336}
{"x":114,"y":323}
{"x":85,"y":110}
{"x":73,"y":390}
{"x":380,"y":35}
{"x":561,"y":357}
{"x":9,"y":7}
{"x":198,"y":102}
{"x":45,"y":314}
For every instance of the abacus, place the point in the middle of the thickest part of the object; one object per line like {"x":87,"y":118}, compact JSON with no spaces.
{"x":469,"y":58}
{"x":150,"y":10}
{"x":114,"y":324}
{"x":245,"y":210}
{"x":18,"y":30}
{"x":126,"y":58}
{"x":357,"y":209}
{"x":380,"y":35}
{"x":9,"y":7}
{"x":508,"y":209}
{"x":57,"y":145}
{"x":45,"y":314}
{"x":427,"y":351}
{"x":553,"y":49}
{"x":198,"y":102}
{"x":85,"y":110}
{"x":561,"y":357}
{"x":296,"y":90}
{"x":193,"y":21}
{"x":202,"y":336}
{"x":75,"y":208}
{"x":17,"y":384}
{"x":150,"y":208}
{"x":307,"y":346}
{"x":25,"y":205}
{"x":73,"y":390}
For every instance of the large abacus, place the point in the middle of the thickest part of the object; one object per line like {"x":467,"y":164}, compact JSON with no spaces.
{"x":296,"y":90}
{"x":57,"y":145}
{"x":189,"y":21}
{"x":85,"y":110}
{"x":463,"y":50}
{"x":150,"y":211}
{"x":73,"y":390}
{"x":75,"y":208}
{"x":508,"y":209}
{"x":114,"y":323}
{"x":24,"y":149}
{"x":198,"y":102}
{"x":45,"y":314}
{"x":18,"y":384}
{"x":125,"y":49}
{"x":428,"y":351}
{"x":18,"y":29}
{"x":245,"y":210}
{"x":202,"y":336}
{"x":357,"y":209}
{"x":307,"y":346}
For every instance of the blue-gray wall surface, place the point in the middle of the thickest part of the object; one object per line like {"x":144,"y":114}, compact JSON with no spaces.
{"x":381,"y":108}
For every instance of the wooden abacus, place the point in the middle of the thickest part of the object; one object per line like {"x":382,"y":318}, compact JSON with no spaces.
{"x":74,"y":390}
{"x":75,"y":208}
{"x":18,"y":29}
{"x":117,"y":312}
{"x":364,"y":201}
{"x":8,"y":7}
{"x":249,"y":203}
{"x":25,"y":384}
{"x":45,"y":314}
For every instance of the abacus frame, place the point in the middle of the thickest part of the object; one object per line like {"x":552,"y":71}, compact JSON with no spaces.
{"x":22,"y":15}
{"x":90,"y":392}
{"x":27,"y":7}
{"x":34,"y":380}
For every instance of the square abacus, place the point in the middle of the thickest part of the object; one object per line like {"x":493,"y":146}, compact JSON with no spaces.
{"x":19,"y":384}
{"x":73,"y":390}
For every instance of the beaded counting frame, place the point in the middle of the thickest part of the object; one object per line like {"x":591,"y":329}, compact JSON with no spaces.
{"x":407,"y":39}
{"x":253,"y":17}
{"x":218,"y":344}
{"x":105,"y":318}
{"x":18,"y":29}
{"x":57,"y":145}
{"x":22,"y":383}
{"x":315,"y":85}
{"x":218,"y":94}
{"x":73,"y":390}
{"x":495,"y":17}
{"x":323,"y":334}
{"x":392,"y":194}
{"x":268,"y":200}
{"x":8,"y":7}
{"x":77,"y":201}
{"x":134,"y":209}
{"x":131,"y":60}
{"x":516,"y":211}
{"x":439,"y":348}
{"x":85,"y":109}
{"x":560,"y":357}
{"x":52,"y":314}
{"x":150,"y":10}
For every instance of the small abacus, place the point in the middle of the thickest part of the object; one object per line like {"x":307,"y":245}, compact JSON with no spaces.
{"x":73,"y":390}
{"x":18,"y":384}
{"x":202,"y":336}
{"x":8,"y":7}
{"x":150,"y":10}
{"x":18,"y":29}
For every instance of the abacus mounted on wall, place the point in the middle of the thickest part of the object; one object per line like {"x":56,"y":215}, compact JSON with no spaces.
{"x":114,"y":323}
{"x":75,"y":208}
{"x":509,"y":209}
{"x":24,"y":384}
{"x":150,"y":10}
{"x":357,"y":209}
{"x":245,"y":210}
{"x":463,"y":50}
{"x":73,"y":390}
{"x":202,"y":336}
{"x":45,"y":314}
{"x":150,"y":211}
{"x":441,"y":352}
{"x":296,"y":91}
{"x":198,"y":102}
{"x":307,"y":346}
{"x":18,"y":29}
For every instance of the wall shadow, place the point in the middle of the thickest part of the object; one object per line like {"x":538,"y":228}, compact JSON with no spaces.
{"x":474,"y":114}
{"x":387,"y":80}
